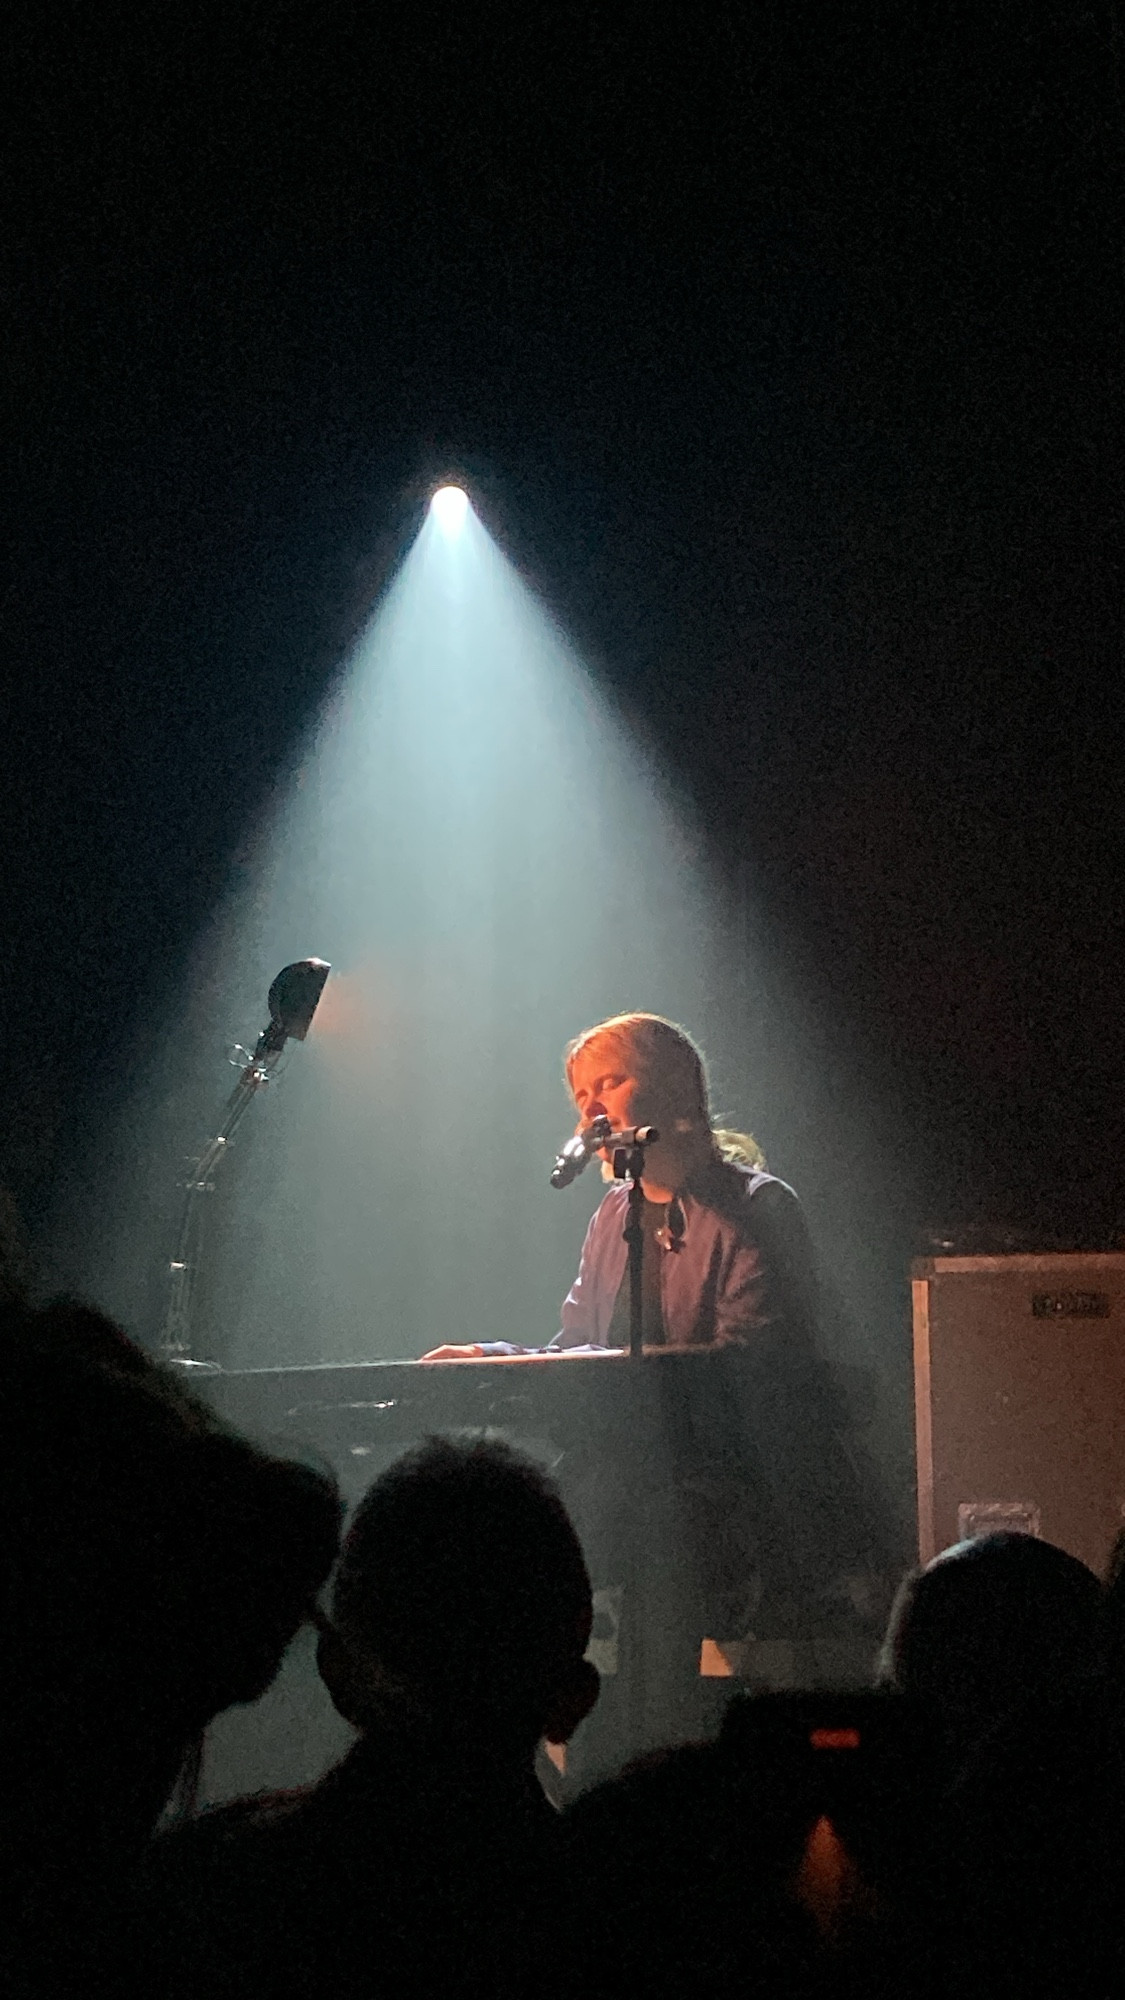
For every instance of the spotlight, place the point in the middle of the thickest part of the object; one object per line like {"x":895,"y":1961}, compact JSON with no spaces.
{"x":450,"y":505}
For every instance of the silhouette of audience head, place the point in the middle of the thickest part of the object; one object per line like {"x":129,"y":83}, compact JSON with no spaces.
{"x":462,"y":1605}
{"x":990,"y":1625}
{"x":154,"y":1567}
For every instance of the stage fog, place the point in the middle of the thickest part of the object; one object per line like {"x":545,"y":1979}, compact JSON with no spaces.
{"x":490,"y":861}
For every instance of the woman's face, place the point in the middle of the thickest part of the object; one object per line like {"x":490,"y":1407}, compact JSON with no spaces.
{"x":604,"y":1084}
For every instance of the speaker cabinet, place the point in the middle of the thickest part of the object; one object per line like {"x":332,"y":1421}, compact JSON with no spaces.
{"x":1019,"y":1392}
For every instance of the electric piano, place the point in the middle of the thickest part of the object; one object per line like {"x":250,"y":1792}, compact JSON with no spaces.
{"x":698,"y":1406}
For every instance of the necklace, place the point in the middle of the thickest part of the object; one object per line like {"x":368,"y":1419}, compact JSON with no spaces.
{"x":671,"y":1235}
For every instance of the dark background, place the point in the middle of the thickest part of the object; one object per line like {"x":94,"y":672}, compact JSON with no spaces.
{"x":781,"y":350}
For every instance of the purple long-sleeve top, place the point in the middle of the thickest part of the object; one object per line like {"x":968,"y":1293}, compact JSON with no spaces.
{"x":741,"y":1269}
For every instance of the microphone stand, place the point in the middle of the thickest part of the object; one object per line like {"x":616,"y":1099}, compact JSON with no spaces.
{"x":629,"y":1163}
{"x":176,"y":1334}
{"x":292,"y":1002}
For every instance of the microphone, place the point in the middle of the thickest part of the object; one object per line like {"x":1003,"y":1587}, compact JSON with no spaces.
{"x":578,"y":1152}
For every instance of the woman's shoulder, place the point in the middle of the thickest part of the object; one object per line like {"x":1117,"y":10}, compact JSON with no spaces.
{"x":731,"y":1186}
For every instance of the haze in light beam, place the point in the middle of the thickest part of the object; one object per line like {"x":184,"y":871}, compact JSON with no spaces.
{"x":490,"y":863}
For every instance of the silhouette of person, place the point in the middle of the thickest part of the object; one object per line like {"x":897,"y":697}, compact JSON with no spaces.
{"x":154,"y":1568}
{"x":987,"y":1626}
{"x":426,"y":1861}
{"x":1001,"y":1637}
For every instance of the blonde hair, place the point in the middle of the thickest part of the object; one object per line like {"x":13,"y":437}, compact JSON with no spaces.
{"x":660,"y":1050}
